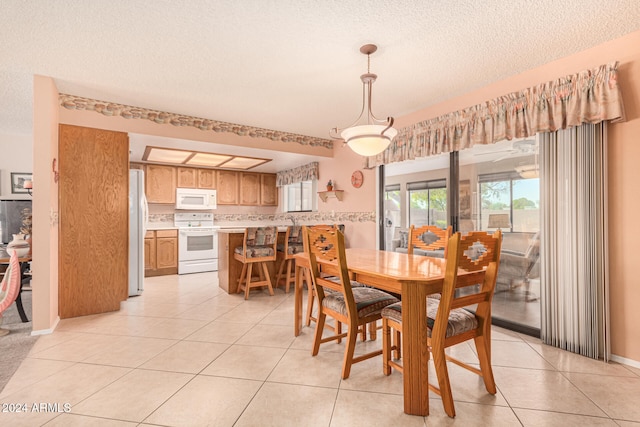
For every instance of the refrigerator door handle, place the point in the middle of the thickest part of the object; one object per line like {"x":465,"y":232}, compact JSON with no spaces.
{"x":145,"y":208}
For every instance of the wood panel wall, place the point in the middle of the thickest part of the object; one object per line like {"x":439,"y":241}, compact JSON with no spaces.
{"x":94,"y":225}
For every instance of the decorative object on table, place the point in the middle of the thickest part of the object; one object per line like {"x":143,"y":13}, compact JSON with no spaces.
{"x":18,"y":245}
{"x":18,"y":180}
{"x":373,"y":136}
{"x":28,"y":185}
{"x":499,"y":221}
{"x":9,"y":288}
{"x":357,"y":179}
{"x":330,"y":185}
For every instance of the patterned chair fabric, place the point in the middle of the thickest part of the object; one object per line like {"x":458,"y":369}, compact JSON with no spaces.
{"x":256,"y":251}
{"x":460,"y":320}
{"x":368,"y":301}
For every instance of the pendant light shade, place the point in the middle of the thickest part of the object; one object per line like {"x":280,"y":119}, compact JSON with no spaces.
{"x":371,"y":136}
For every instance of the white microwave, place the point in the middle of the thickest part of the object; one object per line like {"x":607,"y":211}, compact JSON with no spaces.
{"x":195,"y":199}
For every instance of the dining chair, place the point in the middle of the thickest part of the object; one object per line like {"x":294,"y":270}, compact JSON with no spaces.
{"x":355,"y":307}
{"x":428,"y":238}
{"x":9,"y":287}
{"x":292,"y":245}
{"x":449,"y":322}
{"x":258,"y":247}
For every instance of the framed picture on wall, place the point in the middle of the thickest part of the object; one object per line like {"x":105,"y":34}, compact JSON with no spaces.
{"x":17,"y":182}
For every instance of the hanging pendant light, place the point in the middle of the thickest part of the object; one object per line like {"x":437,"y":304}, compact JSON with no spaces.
{"x":373,"y":136}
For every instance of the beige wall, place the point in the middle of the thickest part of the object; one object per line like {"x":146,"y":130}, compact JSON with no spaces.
{"x":17,"y":156}
{"x":624,"y":173}
{"x":45,"y":205}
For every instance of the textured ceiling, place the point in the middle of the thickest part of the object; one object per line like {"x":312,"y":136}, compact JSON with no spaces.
{"x":292,"y":66}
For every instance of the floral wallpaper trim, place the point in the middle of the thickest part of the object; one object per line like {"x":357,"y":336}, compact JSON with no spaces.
{"x":284,"y":218}
{"x":72,"y":102}
{"x":589,"y":96}
{"x":301,"y":173}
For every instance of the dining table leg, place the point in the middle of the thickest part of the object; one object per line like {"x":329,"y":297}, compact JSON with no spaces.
{"x":414,"y":347}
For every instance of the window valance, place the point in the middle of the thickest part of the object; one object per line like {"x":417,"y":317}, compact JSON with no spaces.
{"x":299,"y":174}
{"x":589,"y":96}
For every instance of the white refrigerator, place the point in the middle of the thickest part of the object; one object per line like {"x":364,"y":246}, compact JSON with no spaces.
{"x":138,"y":217}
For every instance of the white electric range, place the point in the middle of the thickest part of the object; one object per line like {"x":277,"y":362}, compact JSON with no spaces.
{"x":197,"y":242}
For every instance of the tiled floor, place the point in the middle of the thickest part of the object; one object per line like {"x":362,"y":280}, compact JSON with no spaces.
{"x":187,"y":354}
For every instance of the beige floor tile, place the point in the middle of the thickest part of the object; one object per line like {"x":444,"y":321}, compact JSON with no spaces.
{"x":68,"y":386}
{"x":210,"y":401}
{"x":245,"y":314}
{"x":618,"y":397}
{"x":289,"y":405}
{"x":471,"y":415}
{"x":516,"y":355}
{"x":130,"y":351}
{"x":172,"y":328}
{"x":32,"y":371}
{"x":282,"y":316}
{"x":186,"y":356}
{"x":220,"y":332}
{"x":358,"y":408}
{"x":77,"y":349}
{"x":543,"y":390}
{"x":530,"y":418}
{"x":246,"y":362}
{"x":84,"y":323}
{"x":50,"y":340}
{"x":623,"y":423}
{"x":566,"y":361}
{"x":205,"y":311}
{"x":166,"y":310}
{"x":268,"y":336}
{"x":299,"y":367}
{"x":367,"y":376}
{"x":501,"y":334}
{"x":72,"y":420}
{"x":134,"y":396}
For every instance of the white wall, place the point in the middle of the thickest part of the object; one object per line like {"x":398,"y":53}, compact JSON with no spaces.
{"x":16,"y":155}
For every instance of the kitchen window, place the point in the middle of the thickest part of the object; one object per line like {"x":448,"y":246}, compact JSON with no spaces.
{"x":300,"y":197}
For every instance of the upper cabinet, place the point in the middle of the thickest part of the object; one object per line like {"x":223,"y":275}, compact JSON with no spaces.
{"x":160,"y":184}
{"x":249,"y":188}
{"x":227,"y":187}
{"x":187,"y":177}
{"x":268,"y":190}
{"x":207,"y":179}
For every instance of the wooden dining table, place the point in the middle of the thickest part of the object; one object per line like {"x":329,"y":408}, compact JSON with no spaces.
{"x":413,"y":277}
{"x":24,"y":263}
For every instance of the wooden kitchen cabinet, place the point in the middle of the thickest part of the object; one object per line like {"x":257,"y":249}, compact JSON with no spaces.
{"x":227,"y":187}
{"x":160,"y":184}
{"x":249,"y":188}
{"x":207,"y":179}
{"x":187,"y":177}
{"x":161,"y":253}
{"x":268,"y":190}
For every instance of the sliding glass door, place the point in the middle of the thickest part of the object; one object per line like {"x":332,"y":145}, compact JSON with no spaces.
{"x":498,"y":189}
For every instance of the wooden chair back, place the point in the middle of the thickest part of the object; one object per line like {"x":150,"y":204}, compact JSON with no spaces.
{"x":464,"y":254}
{"x":440,"y":238}
{"x":326,"y":243}
{"x":259,"y":237}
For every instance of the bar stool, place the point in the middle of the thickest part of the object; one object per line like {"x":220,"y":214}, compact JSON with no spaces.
{"x":292,"y":245}
{"x":258,"y":247}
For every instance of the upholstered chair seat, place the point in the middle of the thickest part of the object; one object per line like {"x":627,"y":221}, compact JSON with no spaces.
{"x":258,"y":247}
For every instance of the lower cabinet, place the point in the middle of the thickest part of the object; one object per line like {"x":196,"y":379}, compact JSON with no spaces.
{"x":160,"y":252}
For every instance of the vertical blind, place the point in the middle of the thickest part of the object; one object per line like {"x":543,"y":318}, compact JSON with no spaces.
{"x":574,"y":260}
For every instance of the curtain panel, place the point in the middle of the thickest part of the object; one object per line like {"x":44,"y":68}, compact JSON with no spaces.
{"x":589,"y":96}
{"x":574,"y":253}
{"x":301,"y":173}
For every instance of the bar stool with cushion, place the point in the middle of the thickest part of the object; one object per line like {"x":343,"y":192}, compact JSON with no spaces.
{"x":354,"y":307}
{"x":292,"y":245}
{"x":448,"y":322}
{"x":258,"y":247}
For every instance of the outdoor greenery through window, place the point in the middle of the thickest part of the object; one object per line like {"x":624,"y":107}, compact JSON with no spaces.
{"x":428,"y":203}
{"x":300,"y":196}
{"x":509,"y":194}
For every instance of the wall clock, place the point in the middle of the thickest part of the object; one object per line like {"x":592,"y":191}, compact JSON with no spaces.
{"x":357,"y":179}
